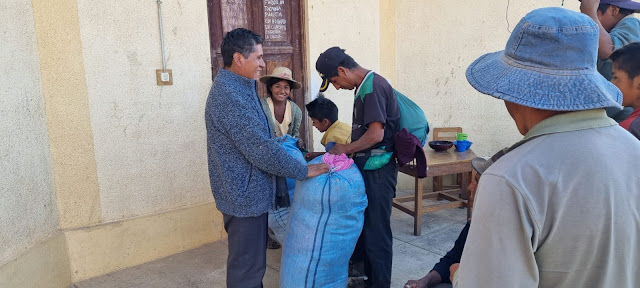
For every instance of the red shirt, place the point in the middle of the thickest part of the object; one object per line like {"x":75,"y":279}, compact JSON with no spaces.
{"x":632,"y":123}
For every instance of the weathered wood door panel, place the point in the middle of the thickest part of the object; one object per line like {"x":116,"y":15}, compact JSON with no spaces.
{"x":280,"y":22}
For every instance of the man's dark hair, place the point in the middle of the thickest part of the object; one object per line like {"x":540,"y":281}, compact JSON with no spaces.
{"x":239,"y":40}
{"x":322,"y":108}
{"x":603,"y":9}
{"x":627,"y":59}
{"x":347,"y":62}
{"x":275,"y":80}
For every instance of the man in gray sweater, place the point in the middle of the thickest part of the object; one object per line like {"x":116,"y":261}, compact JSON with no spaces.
{"x":244,"y":160}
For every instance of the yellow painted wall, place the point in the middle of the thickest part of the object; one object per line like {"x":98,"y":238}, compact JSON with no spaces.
{"x":65,"y":95}
{"x":388,"y":39}
{"x":99,"y":159}
{"x":436,"y":43}
{"x":352,"y":25}
{"x":43,"y":265}
{"x":103,"y":248}
{"x":150,"y":141}
{"x":433,"y":44}
{"x":96,"y":154}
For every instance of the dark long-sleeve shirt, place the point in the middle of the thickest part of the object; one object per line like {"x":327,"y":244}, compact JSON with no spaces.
{"x":453,"y":256}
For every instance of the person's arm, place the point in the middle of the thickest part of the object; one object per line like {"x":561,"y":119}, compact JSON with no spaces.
{"x":441,"y":271}
{"x":244,"y":130}
{"x":502,"y":234}
{"x":605,"y":43}
{"x":373,"y":135}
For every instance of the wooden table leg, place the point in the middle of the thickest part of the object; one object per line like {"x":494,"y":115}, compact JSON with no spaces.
{"x":417,"y":218}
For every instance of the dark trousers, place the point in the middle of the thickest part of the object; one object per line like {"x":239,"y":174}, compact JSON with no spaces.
{"x":247,"y":260}
{"x":375,"y":245}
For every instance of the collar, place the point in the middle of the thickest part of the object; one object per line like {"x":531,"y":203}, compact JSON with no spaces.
{"x":572,"y":121}
{"x":324,"y":137}
{"x":241,"y":81}
{"x":370,"y":73}
{"x":333,"y":125}
{"x":566,"y":122}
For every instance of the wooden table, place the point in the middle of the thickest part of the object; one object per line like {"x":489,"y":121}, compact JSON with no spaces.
{"x":439,"y":164}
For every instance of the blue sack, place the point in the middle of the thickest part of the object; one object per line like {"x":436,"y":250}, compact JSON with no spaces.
{"x":327,"y":214}
{"x":412,"y":117}
{"x":278,"y":218}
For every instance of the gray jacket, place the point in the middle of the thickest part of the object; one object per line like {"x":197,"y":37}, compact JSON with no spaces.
{"x":243,"y":157}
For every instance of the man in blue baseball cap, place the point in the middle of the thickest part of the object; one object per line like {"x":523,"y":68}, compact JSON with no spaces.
{"x":562,"y":208}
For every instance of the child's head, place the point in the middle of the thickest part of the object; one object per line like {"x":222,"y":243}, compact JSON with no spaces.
{"x":626,"y":73}
{"x":323,"y":112}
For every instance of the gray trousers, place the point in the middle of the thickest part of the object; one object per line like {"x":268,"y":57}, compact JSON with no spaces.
{"x":247,"y":260}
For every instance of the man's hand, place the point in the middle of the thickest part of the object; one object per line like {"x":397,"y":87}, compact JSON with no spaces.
{"x":339,"y":149}
{"x":453,"y":269}
{"x":590,"y":7}
{"x":317,"y":169}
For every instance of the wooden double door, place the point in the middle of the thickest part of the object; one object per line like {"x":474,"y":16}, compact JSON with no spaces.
{"x":280,"y":23}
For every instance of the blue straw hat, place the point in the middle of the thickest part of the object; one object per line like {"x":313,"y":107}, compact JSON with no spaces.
{"x":549,"y":63}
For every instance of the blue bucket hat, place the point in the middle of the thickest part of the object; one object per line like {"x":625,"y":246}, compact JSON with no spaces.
{"x":549,"y":63}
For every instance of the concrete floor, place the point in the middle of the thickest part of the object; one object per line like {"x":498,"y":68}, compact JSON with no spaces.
{"x":413,"y":257}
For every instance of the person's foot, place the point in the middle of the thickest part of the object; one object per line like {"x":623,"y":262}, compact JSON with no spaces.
{"x":356,"y":270}
{"x":356,"y":282}
{"x":272,"y":244}
{"x":420,"y":283}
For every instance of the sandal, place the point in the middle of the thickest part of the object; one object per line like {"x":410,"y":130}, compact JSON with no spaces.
{"x":356,"y":282}
{"x":272,"y":244}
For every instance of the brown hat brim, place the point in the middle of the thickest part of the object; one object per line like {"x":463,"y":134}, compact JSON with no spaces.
{"x":295,"y":84}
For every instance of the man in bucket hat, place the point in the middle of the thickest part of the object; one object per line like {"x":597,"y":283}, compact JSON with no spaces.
{"x":561,"y":209}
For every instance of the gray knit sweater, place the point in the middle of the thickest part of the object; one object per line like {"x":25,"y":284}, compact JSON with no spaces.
{"x":243,"y":157}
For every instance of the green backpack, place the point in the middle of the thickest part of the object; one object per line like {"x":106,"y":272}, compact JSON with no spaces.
{"x":412,"y":117}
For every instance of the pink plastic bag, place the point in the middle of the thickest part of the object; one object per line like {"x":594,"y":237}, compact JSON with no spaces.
{"x":337,"y":162}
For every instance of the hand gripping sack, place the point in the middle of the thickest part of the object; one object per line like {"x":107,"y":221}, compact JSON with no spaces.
{"x":279,"y":217}
{"x":327,"y":214}
{"x":412,"y":117}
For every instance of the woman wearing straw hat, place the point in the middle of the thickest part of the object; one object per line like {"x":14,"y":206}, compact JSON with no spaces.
{"x":284,"y":118}
{"x":283,"y":114}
